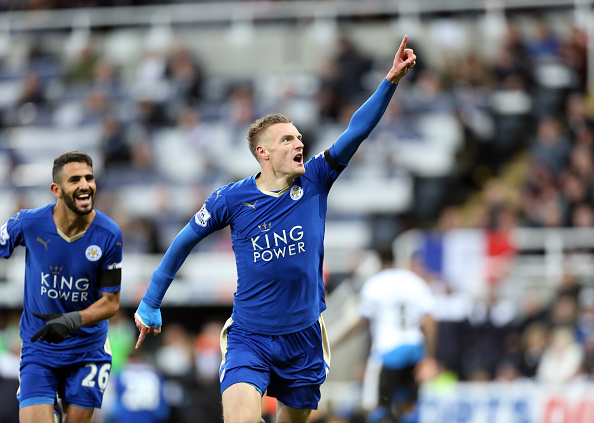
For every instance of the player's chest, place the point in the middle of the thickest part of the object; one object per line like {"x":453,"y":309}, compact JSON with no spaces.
{"x":52,"y":250}
{"x":282,"y":216}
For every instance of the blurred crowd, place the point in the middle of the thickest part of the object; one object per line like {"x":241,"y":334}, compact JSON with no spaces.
{"x":497,"y":338}
{"x":525,"y":159}
{"x":506,"y":140}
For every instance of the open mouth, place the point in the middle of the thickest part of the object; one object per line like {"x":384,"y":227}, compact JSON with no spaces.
{"x":298,"y":158}
{"x":83,"y":198}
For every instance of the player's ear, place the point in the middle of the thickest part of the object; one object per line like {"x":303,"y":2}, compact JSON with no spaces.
{"x":262,"y":152}
{"x":56,"y":190}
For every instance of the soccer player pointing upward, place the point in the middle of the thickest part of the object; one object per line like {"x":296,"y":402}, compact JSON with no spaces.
{"x":72,"y":284}
{"x":275,"y":340}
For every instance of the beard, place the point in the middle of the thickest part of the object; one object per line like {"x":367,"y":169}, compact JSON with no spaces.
{"x":70,"y":202}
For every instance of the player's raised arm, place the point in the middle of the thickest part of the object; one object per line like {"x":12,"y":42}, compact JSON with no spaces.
{"x":148,"y":315}
{"x":369,"y":114}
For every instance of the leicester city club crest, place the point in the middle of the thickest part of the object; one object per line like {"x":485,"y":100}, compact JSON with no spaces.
{"x":93,"y":253}
{"x":296,"y":192}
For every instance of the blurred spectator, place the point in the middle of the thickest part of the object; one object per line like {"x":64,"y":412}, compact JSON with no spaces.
{"x":353,"y":65}
{"x":474,"y":70}
{"x":490,"y":322}
{"x":512,"y":59}
{"x":142,"y":236}
{"x":32,"y":90}
{"x":186,"y":75}
{"x":196,"y":136}
{"x":106,"y":79}
{"x":121,"y":339}
{"x":242,"y":109}
{"x":95,"y":106}
{"x":429,"y":97}
{"x":174,"y":357}
{"x":151,"y":114}
{"x":585,"y":322}
{"x":138,"y":393}
{"x":564,"y":312}
{"x":569,"y":285}
{"x":582,"y":163}
{"x":451,"y":313}
{"x":561,"y":360}
{"x":542,"y":43}
{"x":533,"y":344}
{"x":208,"y":352}
{"x":574,"y":51}
{"x":574,"y":191}
{"x":584,"y":135}
{"x":551,"y":147}
{"x":508,"y":371}
{"x":575,"y":109}
{"x":582,"y":216}
{"x":80,"y":71}
{"x":173,"y":360}
{"x":341,"y":79}
{"x":114,"y":144}
{"x":205,"y":398}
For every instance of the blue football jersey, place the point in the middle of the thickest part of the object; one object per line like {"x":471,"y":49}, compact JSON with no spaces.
{"x":62,"y":276}
{"x":278,"y":241}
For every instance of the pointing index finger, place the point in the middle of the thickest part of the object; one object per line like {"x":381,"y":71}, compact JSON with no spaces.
{"x":141,"y":337}
{"x":402,"y":45}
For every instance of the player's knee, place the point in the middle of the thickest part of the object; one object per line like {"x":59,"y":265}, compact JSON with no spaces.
{"x":245,"y":417}
{"x":241,"y":413}
{"x":74,"y":414}
{"x":286,"y":414}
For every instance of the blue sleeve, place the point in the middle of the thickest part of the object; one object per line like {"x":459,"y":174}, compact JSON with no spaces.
{"x":11,"y":235}
{"x":363,"y":122}
{"x":173,"y":259}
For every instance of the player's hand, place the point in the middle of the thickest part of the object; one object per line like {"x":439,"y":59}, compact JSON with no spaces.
{"x":58,"y":326}
{"x":404,"y":60}
{"x":148,"y":320}
{"x":426,"y":370}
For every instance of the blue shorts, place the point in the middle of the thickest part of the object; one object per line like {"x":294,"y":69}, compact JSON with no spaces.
{"x":403,"y":356}
{"x":79,"y":379}
{"x":290,"y":367}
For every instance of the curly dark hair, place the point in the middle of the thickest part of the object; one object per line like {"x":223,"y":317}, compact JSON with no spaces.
{"x":73,"y":156}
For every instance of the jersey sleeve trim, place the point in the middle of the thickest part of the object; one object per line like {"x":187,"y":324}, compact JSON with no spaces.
{"x":332,"y":162}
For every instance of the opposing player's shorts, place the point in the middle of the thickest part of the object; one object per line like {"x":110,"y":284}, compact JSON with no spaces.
{"x":79,"y":379}
{"x":403,"y":356}
{"x":289,"y":367}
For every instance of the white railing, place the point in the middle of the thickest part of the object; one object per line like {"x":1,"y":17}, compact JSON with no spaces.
{"x":541,"y":259}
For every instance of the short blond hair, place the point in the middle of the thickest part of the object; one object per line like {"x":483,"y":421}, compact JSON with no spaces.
{"x":257,"y":128}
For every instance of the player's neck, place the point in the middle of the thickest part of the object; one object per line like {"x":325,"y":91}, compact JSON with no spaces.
{"x":271,"y":183}
{"x":70,"y":223}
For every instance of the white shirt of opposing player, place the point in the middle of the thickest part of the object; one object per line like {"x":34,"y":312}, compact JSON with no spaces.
{"x":395,"y":301}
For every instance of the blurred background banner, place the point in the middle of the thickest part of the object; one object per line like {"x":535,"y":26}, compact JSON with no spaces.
{"x":504,"y":402}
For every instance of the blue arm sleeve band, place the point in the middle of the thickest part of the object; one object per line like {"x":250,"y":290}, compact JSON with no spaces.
{"x":363,"y":122}
{"x":175,"y":256}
